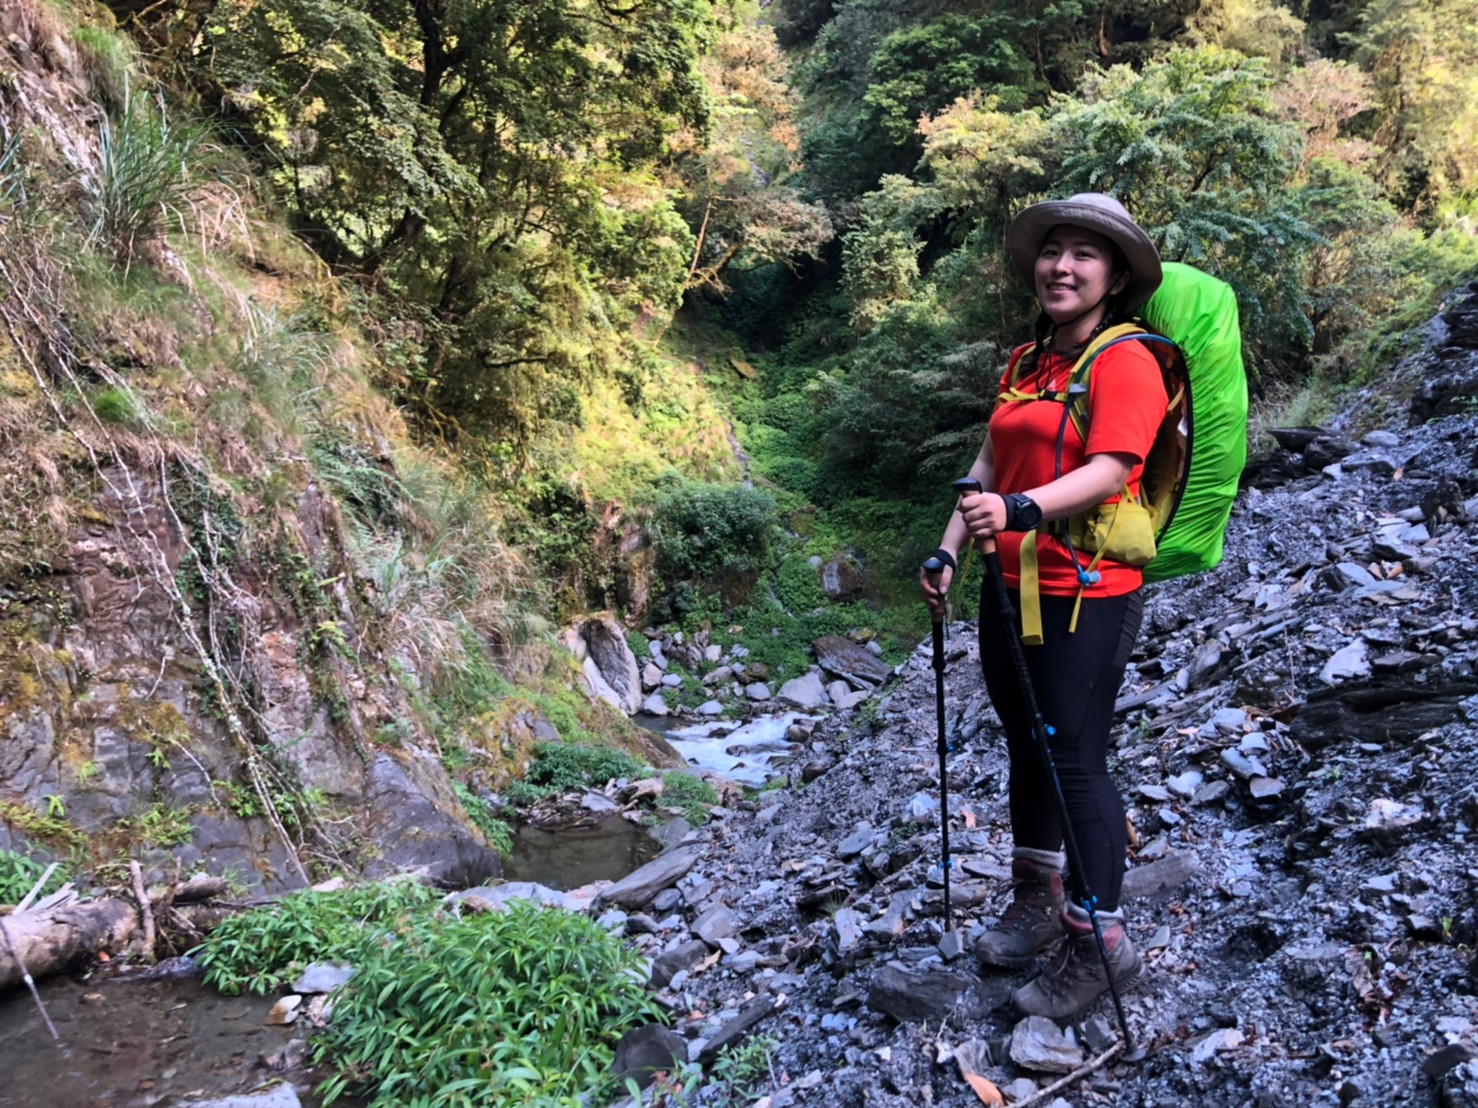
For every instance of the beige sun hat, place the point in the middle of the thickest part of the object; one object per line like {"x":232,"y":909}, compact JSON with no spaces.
{"x":1096,"y":211}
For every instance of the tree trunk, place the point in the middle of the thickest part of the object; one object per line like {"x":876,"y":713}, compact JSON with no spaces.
{"x":48,"y":942}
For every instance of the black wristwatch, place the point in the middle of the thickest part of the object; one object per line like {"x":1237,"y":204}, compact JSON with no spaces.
{"x":1022,"y":512}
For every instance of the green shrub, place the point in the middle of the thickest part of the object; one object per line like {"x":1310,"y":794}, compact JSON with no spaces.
{"x":264,"y":949}
{"x":115,"y":406}
{"x":692,"y":794}
{"x":560,"y":767}
{"x":703,"y":531}
{"x":515,"y":1007}
{"x":497,"y":832}
{"x":18,"y":874}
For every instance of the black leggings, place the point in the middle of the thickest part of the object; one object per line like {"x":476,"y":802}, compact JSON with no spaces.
{"x":1076,"y":680}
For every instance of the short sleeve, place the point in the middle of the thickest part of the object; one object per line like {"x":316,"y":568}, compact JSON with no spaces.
{"x":1126,"y":401}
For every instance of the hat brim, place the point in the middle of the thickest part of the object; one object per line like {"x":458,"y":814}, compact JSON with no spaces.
{"x":1027,"y":232}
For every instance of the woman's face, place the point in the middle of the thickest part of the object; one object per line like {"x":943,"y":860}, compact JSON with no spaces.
{"x":1075,"y":272}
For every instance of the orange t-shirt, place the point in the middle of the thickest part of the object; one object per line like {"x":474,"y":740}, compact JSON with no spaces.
{"x":1126,"y":403}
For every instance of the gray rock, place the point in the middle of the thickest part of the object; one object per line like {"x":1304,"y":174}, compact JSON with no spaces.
{"x":846,"y":925}
{"x":666,"y":901}
{"x":683,"y":956}
{"x":805,"y":693}
{"x":757,"y":691}
{"x":1242,"y":765}
{"x":1020,"y":1089}
{"x":710,"y":708}
{"x":410,"y":810}
{"x":743,"y":962}
{"x":1347,"y":663}
{"x":855,"y":843}
{"x":322,"y":977}
{"x":1185,"y":784}
{"x":607,"y":661}
{"x":651,"y":676}
{"x":923,"y":808}
{"x":278,"y":1096}
{"x":718,"y":676}
{"x":1039,"y":1044}
{"x":716,"y":923}
{"x":639,"y":889}
{"x":671,"y":681}
{"x":645,"y":1050}
{"x":598,"y":802}
{"x":928,"y":994}
{"x":855,"y":665}
{"x":654,"y":705}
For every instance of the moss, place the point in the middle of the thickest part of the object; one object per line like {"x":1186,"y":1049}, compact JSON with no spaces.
{"x":51,"y":830}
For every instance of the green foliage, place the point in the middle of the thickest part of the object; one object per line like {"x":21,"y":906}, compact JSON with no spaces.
{"x":18,"y":874}
{"x":263,"y":949}
{"x":497,"y":832}
{"x":560,"y":767}
{"x":704,"y":533}
{"x":798,"y":586}
{"x":1193,"y":146}
{"x":159,"y":825}
{"x":508,"y":1008}
{"x":144,"y":175}
{"x":692,"y":794}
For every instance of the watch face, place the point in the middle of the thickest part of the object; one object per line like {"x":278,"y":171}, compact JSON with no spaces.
{"x":1029,"y":513}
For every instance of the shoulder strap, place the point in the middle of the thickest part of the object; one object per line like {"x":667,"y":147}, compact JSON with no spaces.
{"x":1078,"y":380}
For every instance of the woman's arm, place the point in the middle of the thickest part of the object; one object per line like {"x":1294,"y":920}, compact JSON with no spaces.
{"x":956,"y":532}
{"x":1099,"y":477}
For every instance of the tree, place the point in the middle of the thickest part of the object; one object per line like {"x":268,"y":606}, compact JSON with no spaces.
{"x":1423,"y":58}
{"x":733,"y":175}
{"x":1194,"y":147}
{"x":493,"y":162}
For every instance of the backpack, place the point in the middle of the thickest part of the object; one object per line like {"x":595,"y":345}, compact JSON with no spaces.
{"x":1177,"y":523}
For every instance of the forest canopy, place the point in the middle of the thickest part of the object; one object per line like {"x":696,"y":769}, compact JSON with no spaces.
{"x":530,"y":193}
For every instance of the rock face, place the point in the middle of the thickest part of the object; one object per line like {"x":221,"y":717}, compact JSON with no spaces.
{"x":599,"y":643}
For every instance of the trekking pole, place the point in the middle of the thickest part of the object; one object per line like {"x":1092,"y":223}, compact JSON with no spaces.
{"x":933,"y":567}
{"x":1040,"y":735}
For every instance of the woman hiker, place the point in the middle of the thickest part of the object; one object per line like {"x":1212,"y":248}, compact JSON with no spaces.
{"x":1090,"y":267}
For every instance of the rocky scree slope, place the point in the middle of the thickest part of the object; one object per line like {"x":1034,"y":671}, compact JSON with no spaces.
{"x":1296,"y":744}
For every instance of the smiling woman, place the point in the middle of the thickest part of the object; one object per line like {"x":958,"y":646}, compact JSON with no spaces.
{"x":1090,"y":267}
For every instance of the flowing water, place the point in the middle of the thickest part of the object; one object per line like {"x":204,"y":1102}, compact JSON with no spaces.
{"x":747,"y":754}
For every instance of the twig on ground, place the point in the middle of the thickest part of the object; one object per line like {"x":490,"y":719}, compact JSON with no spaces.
{"x":145,"y":909}
{"x":1077,"y":1075}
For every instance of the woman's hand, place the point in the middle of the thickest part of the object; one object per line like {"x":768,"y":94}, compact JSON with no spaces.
{"x":984,"y":514}
{"x":934,"y":587}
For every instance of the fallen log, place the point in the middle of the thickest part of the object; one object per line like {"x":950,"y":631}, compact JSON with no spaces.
{"x":50,"y":941}
{"x":59,"y":929}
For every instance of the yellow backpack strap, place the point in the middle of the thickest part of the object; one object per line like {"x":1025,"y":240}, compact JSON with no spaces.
{"x":1031,"y":592}
{"x":1093,"y":562}
{"x":1078,"y":401}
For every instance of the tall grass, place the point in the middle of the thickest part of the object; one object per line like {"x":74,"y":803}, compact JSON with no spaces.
{"x":144,"y":175}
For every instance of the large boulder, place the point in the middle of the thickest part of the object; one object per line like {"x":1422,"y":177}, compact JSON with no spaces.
{"x":609,"y":665}
{"x":856,"y":665}
{"x":841,"y":579}
{"x":408,"y":808}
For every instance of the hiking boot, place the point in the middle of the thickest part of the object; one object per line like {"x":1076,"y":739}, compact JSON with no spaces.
{"x":1075,"y":978}
{"x":1031,"y":922}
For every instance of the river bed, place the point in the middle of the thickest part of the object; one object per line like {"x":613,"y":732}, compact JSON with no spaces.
{"x":132,"y":1043}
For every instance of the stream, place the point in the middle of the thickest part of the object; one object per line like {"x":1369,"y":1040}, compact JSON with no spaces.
{"x":130,"y":1042}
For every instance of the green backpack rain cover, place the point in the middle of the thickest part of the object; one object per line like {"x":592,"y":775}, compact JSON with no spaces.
{"x":1199,"y":313}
